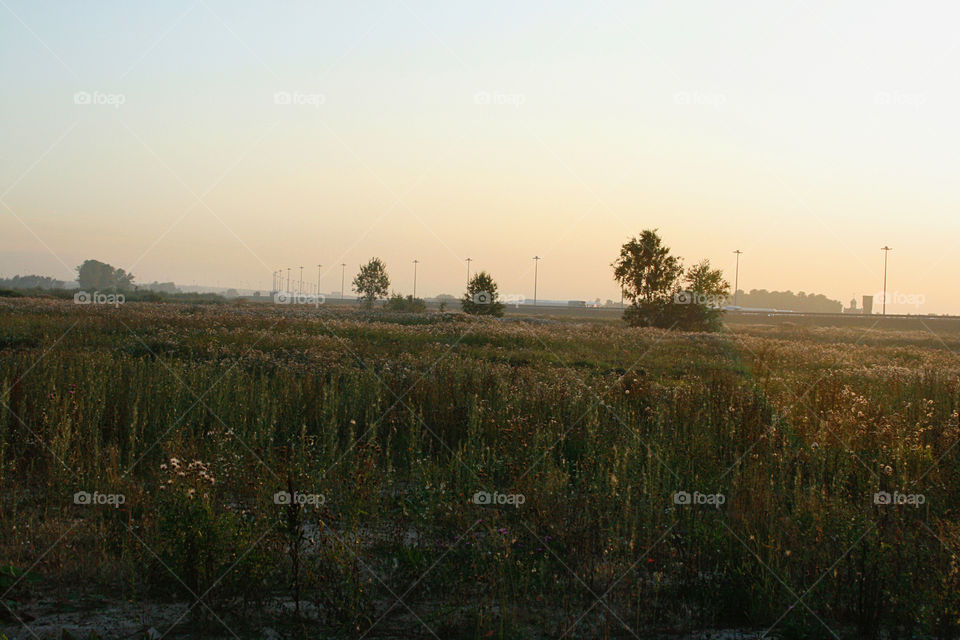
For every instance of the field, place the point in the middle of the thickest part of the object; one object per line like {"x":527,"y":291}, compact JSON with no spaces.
{"x":204,"y":470}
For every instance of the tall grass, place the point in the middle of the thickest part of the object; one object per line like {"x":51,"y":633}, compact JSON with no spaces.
{"x":198,"y":416}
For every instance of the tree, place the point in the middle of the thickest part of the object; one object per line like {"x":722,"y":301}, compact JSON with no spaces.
{"x":661,"y":293}
{"x":481,"y":298}
{"x":93,"y":274}
{"x":704,"y":297}
{"x":707,"y":283}
{"x":646,"y":271}
{"x":372,"y":281}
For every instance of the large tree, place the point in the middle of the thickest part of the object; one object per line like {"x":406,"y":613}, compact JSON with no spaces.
{"x":372,"y":282}
{"x":482,"y":298}
{"x":96,"y":275}
{"x":661,"y":293}
{"x":646,"y":271}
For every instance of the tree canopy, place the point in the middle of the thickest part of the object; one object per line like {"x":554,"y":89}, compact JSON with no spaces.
{"x":661,"y":293}
{"x":482,"y":297}
{"x":96,"y":275}
{"x":372,"y":282}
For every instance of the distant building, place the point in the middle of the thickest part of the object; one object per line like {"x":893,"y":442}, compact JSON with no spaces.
{"x":853,"y":307}
{"x":576,"y":303}
{"x":867,"y":305}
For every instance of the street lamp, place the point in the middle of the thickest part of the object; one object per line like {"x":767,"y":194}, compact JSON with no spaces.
{"x":415,"y":263}
{"x":536,"y":264}
{"x":469,"y":260}
{"x":343,"y":274}
{"x":318,"y":278}
{"x":736,"y":279}
{"x":885,"y":250}
{"x":301,"y":281}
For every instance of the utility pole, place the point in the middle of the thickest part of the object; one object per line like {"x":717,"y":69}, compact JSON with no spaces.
{"x":319,"y":266}
{"x":885,"y":250}
{"x":469,"y":260}
{"x":536,"y":264}
{"x":736,"y":279}
{"x":301,"y":281}
{"x":288,"y":279}
{"x":415,"y":263}
{"x":343,"y":274}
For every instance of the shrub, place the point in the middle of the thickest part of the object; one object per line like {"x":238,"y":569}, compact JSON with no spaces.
{"x":397,"y":302}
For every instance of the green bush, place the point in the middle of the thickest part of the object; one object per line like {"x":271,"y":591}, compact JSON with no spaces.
{"x":397,"y":302}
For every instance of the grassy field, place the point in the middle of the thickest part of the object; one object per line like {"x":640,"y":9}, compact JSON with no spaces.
{"x":224,"y":470}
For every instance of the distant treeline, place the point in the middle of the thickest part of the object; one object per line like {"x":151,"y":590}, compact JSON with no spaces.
{"x":789,"y":301}
{"x":32,"y":282}
{"x":46,"y":282}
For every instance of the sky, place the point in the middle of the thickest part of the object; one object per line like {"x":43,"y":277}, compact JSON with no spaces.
{"x":214,"y":142}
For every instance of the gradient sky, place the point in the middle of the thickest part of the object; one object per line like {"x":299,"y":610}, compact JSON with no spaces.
{"x":807,"y":134}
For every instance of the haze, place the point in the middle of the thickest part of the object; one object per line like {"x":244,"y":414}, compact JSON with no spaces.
{"x":218,"y":143}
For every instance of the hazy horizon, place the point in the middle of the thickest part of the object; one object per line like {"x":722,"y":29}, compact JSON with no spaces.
{"x":201,"y":142}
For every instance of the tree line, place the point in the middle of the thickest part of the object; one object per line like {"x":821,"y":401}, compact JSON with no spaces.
{"x":661,"y":291}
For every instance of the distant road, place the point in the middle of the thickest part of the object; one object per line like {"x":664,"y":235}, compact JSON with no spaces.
{"x":613,"y":313}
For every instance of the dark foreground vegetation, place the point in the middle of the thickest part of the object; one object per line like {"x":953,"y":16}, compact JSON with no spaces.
{"x":236,"y":469}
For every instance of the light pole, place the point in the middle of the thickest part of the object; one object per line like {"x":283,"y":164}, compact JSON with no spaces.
{"x":736,"y":279}
{"x":536,"y":264}
{"x":415,"y":263}
{"x":469,"y":260}
{"x":301,"y":281}
{"x":885,"y":250}
{"x":343,"y":274}
{"x":288,"y":279}
{"x":319,"y":266}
